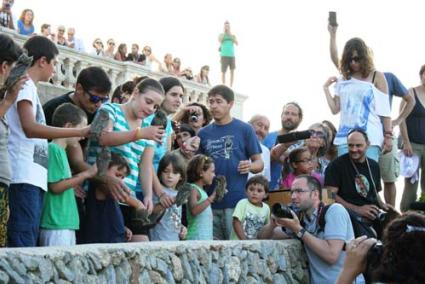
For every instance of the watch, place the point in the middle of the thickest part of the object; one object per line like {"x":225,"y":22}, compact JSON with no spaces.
{"x":300,"y":233}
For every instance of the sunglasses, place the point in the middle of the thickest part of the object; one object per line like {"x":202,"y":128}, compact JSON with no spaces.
{"x":317,"y":134}
{"x":95,"y":99}
{"x":355,"y":59}
{"x":111,"y":43}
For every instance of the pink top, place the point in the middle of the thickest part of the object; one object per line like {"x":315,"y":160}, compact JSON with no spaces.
{"x":287,"y":182}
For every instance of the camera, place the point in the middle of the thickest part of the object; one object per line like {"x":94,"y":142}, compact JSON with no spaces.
{"x":382,"y":215}
{"x":193,"y":116}
{"x":281,"y":210}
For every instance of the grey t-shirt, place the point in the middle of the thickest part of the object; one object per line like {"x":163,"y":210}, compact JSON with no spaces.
{"x":337,"y":227}
{"x":4,"y":154}
{"x":168,"y":228}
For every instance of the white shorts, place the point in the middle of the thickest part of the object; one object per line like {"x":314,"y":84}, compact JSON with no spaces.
{"x":57,"y":237}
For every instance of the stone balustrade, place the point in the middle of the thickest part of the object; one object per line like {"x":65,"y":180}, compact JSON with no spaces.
{"x":71,"y":62}
{"x":159,"y":262}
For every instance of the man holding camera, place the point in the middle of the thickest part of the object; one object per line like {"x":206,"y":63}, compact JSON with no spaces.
{"x":355,"y":181}
{"x":291,"y":117}
{"x":323,"y":229}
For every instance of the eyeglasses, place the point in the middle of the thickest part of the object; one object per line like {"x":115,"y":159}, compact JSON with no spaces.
{"x":305,"y":161}
{"x":355,"y":59}
{"x":95,"y":99}
{"x":299,"y":190}
{"x":111,"y":43}
{"x":61,"y":30}
{"x":318,"y":134}
{"x":98,"y":42}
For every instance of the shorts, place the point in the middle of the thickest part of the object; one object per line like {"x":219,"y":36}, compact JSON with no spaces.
{"x":222,"y":223}
{"x":227,"y":61}
{"x":26,"y":204}
{"x":389,"y":165}
{"x":62,"y":237}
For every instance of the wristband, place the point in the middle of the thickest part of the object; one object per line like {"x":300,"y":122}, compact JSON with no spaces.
{"x":138,"y":133}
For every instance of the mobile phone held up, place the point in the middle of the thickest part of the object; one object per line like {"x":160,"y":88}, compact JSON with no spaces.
{"x":332,"y":19}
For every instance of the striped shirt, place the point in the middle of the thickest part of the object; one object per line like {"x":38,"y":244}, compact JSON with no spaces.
{"x":132,"y":151}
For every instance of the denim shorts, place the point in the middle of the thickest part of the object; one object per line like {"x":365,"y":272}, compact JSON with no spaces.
{"x":26,"y":205}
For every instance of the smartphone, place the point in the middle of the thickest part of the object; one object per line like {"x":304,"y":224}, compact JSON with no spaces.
{"x":294,"y":136}
{"x":332,"y":19}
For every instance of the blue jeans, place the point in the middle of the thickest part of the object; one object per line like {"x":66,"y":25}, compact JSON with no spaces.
{"x":372,"y":152}
{"x":26,"y":204}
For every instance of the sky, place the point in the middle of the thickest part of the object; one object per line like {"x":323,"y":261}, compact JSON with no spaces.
{"x":283,"y":51}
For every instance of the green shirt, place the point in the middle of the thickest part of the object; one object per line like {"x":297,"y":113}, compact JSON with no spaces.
{"x":252,"y":218}
{"x":59,"y":210}
{"x":227,"y":47}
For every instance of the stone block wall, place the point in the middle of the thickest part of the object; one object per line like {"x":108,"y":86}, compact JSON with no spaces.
{"x":158,"y":262}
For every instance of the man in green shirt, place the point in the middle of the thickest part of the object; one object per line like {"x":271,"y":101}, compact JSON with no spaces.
{"x":227,"y":52}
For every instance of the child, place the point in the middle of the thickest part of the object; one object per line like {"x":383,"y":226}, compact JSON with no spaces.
{"x":171,"y":173}
{"x":9,"y":53}
{"x":59,"y":218}
{"x":200,"y":172}
{"x":28,"y":146}
{"x":251,"y":213}
{"x":300,"y":162}
{"x":104,"y":221}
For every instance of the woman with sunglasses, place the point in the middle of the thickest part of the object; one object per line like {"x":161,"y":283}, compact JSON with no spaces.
{"x":98,"y":47}
{"x":317,"y":145}
{"x":110,"y":49}
{"x":361,"y":99}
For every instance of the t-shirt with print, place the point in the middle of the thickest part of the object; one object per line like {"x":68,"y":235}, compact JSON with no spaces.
{"x":252,"y":218}
{"x":354,"y":189}
{"x":168,"y":228}
{"x":337,"y":227}
{"x":132,"y":151}
{"x":28,"y":156}
{"x":160,"y":148}
{"x":361,"y":107}
{"x":228,"y":145}
{"x":59,"y":209}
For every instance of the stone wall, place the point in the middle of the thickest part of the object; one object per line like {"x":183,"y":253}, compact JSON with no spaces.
{"x":158,"y":262}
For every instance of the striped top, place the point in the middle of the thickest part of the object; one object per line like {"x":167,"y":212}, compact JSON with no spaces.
{"x":131,"y":151}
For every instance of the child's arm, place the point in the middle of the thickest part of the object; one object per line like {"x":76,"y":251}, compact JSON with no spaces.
{"x":146,"y":172}
{"x":61,"y":186}
{"x":33,"y":129}
{"x":196,"y":209}
{"x":183,"y":233}
{"x":116,"y":138}
{"x":237,"y":227}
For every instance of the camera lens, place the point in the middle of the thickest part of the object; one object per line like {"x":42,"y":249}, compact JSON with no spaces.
{"x":194,"y":117}
{"x":281,"y":211}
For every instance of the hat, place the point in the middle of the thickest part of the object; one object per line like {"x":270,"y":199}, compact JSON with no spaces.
{"x":408,"y":165}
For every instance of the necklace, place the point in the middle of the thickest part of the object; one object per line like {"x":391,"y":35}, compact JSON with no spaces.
{"x":370,"y":174}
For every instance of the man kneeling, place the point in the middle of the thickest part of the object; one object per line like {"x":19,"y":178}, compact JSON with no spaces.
{"x":324,"y":230}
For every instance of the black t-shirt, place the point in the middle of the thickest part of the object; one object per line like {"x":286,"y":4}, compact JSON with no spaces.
{"x":50,"y":107}
{"x":341,"y":174}
{"x":136,"y":58}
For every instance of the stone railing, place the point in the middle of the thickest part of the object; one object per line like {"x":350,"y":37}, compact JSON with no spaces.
{"x":158,"y":262}
{"x":71,"y":62}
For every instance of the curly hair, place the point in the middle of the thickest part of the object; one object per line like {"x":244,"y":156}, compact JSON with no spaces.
{"x":364,"y":54}
{"x":404,"y":247}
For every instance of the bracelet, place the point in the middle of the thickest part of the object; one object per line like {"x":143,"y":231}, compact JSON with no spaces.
{"x":138,"y":133}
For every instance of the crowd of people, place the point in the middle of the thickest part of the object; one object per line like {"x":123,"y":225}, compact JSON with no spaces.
{"x":66,"y":37}
{"x":55,"y":189}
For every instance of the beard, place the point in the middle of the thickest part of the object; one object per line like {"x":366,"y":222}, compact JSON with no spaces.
{"x":289,"y":125}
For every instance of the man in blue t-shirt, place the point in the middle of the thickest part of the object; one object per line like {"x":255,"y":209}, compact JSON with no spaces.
{"x":235,"y":149}
{"x":291,"y":117}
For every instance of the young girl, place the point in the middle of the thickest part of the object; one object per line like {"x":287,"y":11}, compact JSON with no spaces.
{"x":300,"y":162}
{"x":126,"y":134}
{"x":200,"y":172}
{"x":171,"y":174}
